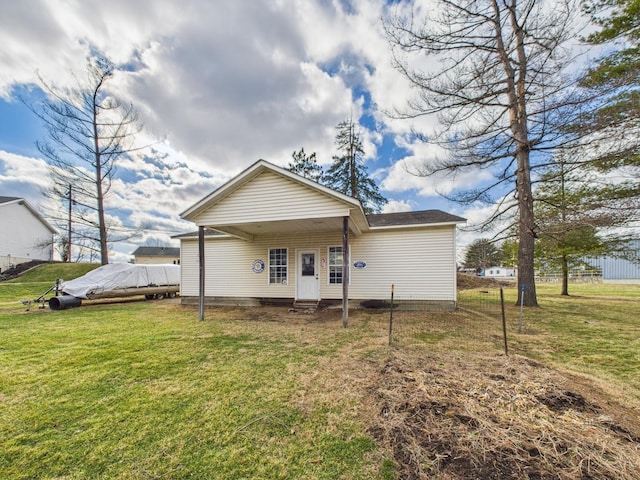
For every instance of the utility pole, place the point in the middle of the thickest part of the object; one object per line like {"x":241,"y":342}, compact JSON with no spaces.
{"x":69,"y":232}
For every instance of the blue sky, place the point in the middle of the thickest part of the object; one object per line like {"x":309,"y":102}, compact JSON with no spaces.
{"x":218,"y":85}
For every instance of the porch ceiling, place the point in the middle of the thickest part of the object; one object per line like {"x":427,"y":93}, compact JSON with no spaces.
{"x":250,"y":230}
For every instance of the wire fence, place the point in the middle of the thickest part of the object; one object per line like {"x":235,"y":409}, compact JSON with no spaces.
{"x":475,"y":322}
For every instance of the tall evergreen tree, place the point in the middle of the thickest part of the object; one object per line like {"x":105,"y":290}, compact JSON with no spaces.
{"x":348,"y":172}
{"x":614,"y":127}
{"x":482,"y":254}
{"x":574,"y":218}
{"x":306,"y":165}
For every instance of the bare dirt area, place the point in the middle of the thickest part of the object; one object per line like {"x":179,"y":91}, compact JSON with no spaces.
{"x":453,"y":416}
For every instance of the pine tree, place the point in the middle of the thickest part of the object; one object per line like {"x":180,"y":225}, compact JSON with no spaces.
{"x":574,"y":218}
{"x":306,"y":165}
{"x":482,"y":254}
{"x":348,"y":172}
{"x":614,"y":127}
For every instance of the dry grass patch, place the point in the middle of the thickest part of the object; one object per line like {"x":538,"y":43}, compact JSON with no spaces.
{"x":453,"y":416}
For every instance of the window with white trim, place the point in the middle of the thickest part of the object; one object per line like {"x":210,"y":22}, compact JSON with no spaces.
{"x":278,"y":266}
{"x":335,"y":265}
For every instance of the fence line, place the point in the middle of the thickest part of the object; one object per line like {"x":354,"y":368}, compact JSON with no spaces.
{"x":475,"y":322}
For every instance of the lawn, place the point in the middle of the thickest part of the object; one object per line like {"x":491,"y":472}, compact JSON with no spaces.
{"x":141,"y":389}
{"x":596,"y":330}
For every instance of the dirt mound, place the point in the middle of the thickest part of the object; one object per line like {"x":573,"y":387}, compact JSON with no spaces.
{"x":468,"y":282}
{"x":453,"y":417}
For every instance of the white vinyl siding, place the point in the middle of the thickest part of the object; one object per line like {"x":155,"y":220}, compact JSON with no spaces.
{"x":419,"y":261}
{"x":269,"y":196}
{"x":23,"y":235}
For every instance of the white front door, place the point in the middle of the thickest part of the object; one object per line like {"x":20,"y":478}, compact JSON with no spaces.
{"x":308,"y":284}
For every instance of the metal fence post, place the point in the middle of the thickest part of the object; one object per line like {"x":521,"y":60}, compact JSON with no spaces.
{"x":521,"y":308}
{"x":391,"y":318}
{"x":504,"y":323}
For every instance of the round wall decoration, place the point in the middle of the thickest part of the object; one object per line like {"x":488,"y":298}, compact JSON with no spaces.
{"x":257,"y":266}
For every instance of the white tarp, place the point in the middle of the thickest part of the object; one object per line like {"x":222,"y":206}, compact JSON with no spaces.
{"x":118,"y":276}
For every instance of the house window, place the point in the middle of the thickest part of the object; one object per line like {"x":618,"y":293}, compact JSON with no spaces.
{"x":335,"y":265}
{"x":278,"y":266}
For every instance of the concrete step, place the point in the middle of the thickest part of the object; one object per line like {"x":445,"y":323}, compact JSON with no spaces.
{"x":310,"y":305}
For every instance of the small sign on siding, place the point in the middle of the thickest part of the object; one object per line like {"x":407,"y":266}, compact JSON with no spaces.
{"x":257,"y":266}
{"x":359,"y":264}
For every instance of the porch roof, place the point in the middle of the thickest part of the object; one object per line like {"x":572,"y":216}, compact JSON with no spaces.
{"x":266,"y":199}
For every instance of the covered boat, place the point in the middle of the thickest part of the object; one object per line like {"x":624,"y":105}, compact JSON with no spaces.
{"x":125,"y":279}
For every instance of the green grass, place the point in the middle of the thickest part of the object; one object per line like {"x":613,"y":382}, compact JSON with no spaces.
{"x":143,"y":390}
{"x":595,"y":330}
{"x":152,"y":401}
{"x":37,"y":281}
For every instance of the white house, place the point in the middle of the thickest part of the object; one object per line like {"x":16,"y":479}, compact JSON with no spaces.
{"x":269,"y":235}
{"x":156,"y":255}
{"x":24,"y":234}
{"x":499,"y":272}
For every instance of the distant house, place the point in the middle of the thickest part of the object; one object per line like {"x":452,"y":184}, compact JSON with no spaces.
{"x":156,"y":255}
{"x":269,"y":235}
{"x":24,"y":233}
{"x":498,"y":272}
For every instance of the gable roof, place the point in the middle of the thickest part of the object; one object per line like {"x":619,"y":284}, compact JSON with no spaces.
{"x":157,"y":251}
{"x":8,"y":199}
{"x":34,"y":212}
{"x":254,"y":171}
{"x":234,"y":208}
{"x":267,"y":198}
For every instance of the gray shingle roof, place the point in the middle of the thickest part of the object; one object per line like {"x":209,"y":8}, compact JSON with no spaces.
{"x":157,"y":251}
{"x":421,"y":217}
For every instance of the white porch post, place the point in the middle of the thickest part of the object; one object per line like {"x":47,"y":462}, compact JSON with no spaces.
{"x":201,"y":265}
{"x":345,"y":271}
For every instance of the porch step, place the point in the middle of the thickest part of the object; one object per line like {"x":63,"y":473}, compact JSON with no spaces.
{"x":309,"y":305}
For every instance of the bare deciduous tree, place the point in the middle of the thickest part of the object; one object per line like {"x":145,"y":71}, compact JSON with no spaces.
{"x":88,"y":130}
{"x":495,"y":77}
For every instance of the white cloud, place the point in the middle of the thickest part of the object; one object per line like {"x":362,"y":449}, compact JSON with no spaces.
{"x":393,"y":206}
{"x":23,"y":177}
{"x":224,"y":84}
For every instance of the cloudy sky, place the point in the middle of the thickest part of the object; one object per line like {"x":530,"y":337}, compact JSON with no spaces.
{"x":218,"y":85}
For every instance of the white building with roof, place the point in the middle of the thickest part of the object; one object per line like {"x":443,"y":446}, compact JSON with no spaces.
{"x":24,"y":233}
{"x":269,"y":235}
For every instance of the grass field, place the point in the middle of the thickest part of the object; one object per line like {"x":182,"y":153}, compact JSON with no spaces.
{"x":142,"y":390}
{"x":596,"y":330}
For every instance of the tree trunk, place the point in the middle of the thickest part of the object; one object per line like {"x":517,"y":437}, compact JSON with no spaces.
{"x":517,"y":95}
{"x":565,"y":276}
{"x":102,"y":226}
{"x":526,"y":234}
